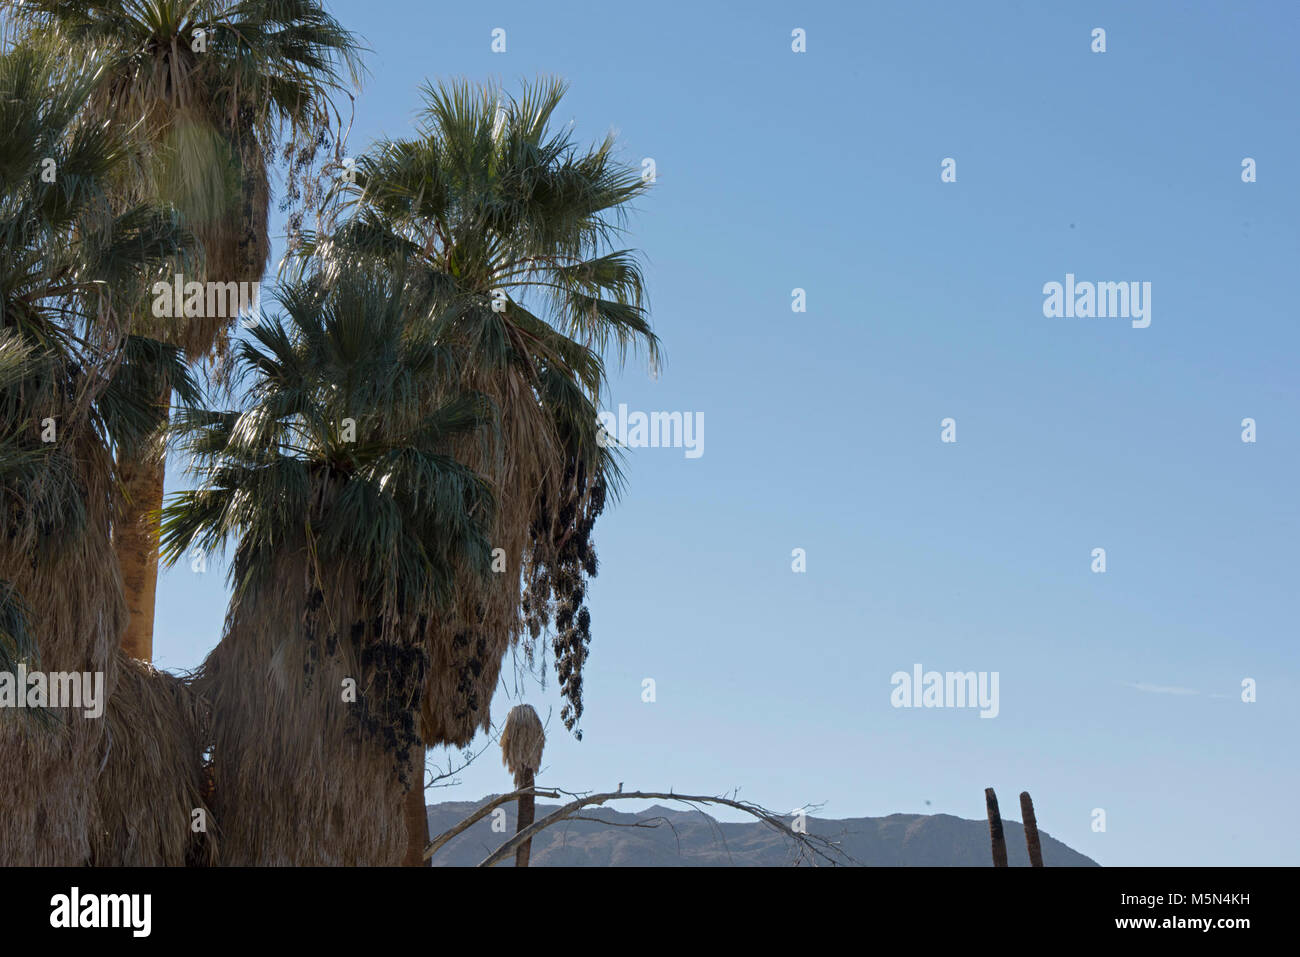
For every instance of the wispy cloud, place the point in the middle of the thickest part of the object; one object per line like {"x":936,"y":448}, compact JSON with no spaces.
{"x":1159,"y":689}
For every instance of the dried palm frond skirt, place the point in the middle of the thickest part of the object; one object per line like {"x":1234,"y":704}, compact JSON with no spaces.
{"x":150,"y":793}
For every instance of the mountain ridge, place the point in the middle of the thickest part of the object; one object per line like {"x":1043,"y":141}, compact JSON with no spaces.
{"x":681,"y":837}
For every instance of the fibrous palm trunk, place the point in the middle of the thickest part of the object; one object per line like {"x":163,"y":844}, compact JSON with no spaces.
{"x":417,"y":818}
{"x":135,"y":540}
{"x":527,"y":812}
{"x":522,"y":741}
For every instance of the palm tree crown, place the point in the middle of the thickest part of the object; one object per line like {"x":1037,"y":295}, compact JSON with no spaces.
{"x":506,"y":228}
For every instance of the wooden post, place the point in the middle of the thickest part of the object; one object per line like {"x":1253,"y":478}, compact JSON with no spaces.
{"x":995,"y":829}
{"x":1031,"y":830}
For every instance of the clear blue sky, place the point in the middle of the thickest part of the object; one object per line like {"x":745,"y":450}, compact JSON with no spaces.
{"x":821,"y":170}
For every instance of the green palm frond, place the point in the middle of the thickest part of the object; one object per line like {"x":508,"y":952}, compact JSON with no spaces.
{"x":204,"y":93}
{"x":507,"y":232}
{"x":488,"y":197}
{"x":344,"y":446}
{"x":72,"y":265}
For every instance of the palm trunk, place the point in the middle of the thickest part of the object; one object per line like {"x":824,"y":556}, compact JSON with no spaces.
{"x":135,"y":541}
{"x":995,"y":829}
{"x":417,"y":819}
{"x":527,"y":812}
{"x":1031,"y":830}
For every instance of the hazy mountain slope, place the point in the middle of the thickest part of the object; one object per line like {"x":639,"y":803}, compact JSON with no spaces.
{"x":697,"y":840}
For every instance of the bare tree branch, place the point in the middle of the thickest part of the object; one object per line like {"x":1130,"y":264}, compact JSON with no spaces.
{"x":815,"y":847}
{"x":478,"y":815}
{"x":653,"y":822}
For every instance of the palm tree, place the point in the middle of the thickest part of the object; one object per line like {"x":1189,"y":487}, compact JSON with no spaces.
{"x":213,"y":86}
{"x":74,"y":386}
{"x":522,"y":742}
{"x":506,"y":228}
{"x":352,"y":521}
